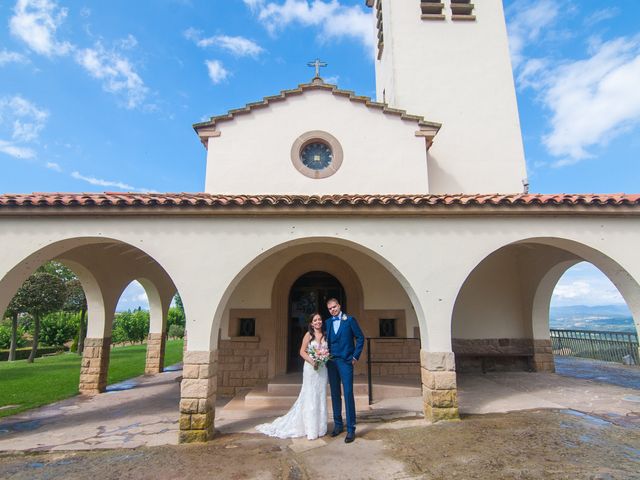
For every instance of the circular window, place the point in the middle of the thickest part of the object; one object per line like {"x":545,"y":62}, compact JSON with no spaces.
{"x":316,"y":154}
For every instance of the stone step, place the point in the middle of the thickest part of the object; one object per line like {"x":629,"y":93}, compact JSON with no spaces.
{"x":260,"y":397}
{"x":293,"y":388}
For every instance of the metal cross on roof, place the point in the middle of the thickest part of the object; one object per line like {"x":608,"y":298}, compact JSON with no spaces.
{"x":317,"y":64}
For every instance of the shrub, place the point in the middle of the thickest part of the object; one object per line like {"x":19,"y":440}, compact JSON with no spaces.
{"x":176,"y":331}
{"x":58,"y":328}
{"x":175,"y":317}
{"x":5,"y":337}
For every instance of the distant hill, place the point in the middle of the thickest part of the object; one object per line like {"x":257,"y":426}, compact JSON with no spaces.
{"x":614,"y":318}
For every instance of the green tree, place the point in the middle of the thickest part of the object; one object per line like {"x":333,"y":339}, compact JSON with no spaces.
{"x":40,"y":294}
{"x":57,"y":328}
{"x":59,"y":270}
{"x":179,"y":305}
{"x":77,"y":302}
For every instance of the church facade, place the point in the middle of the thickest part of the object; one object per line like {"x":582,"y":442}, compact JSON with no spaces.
{"x":412,"y":210}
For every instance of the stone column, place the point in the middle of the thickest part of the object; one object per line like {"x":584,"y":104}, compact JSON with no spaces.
{"x":439,"y":390}
{"x":155,"y":353}
{"x":543,"y":356}
{"x":95,"y":365}
{"x":198,"y":396}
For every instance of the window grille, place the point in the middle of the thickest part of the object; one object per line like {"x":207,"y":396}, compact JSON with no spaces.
{"x":432,"y":9}
{"x":247,"y":327}
{"x":462,"y":10}
{"x":387,"y":327}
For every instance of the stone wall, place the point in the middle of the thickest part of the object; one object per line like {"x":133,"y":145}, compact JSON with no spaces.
{"x":543,"y":356}
{"x":394,"y":350}
{"x":242,"y":363}
{"x":472,"y":354}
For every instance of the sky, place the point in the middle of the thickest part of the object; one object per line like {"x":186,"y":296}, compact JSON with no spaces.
{"x":101,"y":96}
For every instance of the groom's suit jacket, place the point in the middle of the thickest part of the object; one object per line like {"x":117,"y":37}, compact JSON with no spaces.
{"x":341,"y":344}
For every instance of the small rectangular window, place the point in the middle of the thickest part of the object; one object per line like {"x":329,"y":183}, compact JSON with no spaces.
{"x":387,"y":327}
{"x":247,"y":327}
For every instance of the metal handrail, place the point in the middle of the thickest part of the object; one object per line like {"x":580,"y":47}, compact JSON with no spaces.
{"x":597,"y":344}
{"x":369,"y":361}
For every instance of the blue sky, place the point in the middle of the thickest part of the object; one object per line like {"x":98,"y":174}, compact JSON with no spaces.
{"x":99,"y":96}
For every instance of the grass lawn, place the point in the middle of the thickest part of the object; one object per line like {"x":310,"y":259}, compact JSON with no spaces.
{"x":50,"y":379}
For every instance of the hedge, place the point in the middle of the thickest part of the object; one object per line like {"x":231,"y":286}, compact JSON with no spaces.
{"x":23,"y":353}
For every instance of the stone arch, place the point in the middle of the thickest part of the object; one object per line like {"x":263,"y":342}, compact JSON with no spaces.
{"x":373,"y":255}
{"x":503,"y":304}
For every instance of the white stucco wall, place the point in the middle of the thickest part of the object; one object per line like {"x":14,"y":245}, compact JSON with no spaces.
{"x":459,"y":74}
{"x":253,"y":153}
{"x":431,"y":257}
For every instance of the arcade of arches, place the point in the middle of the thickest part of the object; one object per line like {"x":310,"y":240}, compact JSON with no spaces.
{"x":247,"y":287}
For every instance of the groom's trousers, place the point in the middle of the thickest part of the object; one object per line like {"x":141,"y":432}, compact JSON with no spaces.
{"x":341,"y":372}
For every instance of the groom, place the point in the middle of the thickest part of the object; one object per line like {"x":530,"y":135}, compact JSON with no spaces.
{"x":342,"y":330}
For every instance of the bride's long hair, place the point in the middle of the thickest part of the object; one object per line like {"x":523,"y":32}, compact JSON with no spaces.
{"x":310,"y":324}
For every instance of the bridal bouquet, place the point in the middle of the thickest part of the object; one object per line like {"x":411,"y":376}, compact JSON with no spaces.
{"x":319,"y":354}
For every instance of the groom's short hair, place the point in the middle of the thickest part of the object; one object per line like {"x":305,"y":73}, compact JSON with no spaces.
{"x":333,"y":300}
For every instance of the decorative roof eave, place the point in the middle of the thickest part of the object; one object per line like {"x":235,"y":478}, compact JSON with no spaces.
{"x":153,"y":204}
{"x":208,"y":129}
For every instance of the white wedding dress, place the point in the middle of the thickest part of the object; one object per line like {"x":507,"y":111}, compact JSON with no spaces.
{"x":308,"y":416}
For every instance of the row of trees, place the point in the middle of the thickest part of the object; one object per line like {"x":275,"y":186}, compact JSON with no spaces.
{"x":52,"y":307}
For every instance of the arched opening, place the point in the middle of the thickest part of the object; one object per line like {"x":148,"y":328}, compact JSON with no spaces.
{"x":501,"y":315}
{"x":309,"y":293}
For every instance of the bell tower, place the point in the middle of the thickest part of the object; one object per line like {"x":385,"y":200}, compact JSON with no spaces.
{"x":448,"y":60}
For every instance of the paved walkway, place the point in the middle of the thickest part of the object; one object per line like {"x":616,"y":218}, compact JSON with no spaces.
{"x":144,"y":411}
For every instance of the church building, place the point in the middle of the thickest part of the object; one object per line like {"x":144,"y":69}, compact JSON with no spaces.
{"x":412,"y":210}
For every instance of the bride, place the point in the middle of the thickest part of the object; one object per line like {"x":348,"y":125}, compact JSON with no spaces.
{"x":308,"y":416}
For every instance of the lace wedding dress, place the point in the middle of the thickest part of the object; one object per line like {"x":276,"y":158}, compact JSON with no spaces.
{"x":308,"y":416}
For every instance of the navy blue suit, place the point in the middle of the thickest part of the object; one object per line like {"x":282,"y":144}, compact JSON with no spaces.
{"x":340,"y":368}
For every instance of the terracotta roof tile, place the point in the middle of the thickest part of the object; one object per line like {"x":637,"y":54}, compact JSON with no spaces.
{"x":111,"y":200}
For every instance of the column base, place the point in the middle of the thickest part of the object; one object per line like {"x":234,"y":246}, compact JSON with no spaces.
{"x":543,"y":356}
{"x":439,"y":388}
{"x":198,"y":397}
{"x":94,"y":366}
{"x":155,"y":353}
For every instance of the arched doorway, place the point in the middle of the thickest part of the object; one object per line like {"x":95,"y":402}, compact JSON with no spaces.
{"x":309,"y":294}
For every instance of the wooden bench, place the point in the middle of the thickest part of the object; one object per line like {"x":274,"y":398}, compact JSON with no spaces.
{"x":485,"y":356}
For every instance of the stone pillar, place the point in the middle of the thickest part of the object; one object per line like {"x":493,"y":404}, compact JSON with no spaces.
{"x":95,"y":365}
{"x":543,"y":356}
{"x":155,"y":353}
{"x":439,"y":390}
{"x":198,"y":396}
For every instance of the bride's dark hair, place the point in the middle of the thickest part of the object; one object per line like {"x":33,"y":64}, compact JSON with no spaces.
{"x":310,"y":323}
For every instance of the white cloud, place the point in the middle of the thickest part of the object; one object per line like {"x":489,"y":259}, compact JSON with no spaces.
{"x":594,"y":100}
{"x":336,"y":21}
{"x":584,"y":284}
{"x":132,"y":297}
{"x":110,"y":183}
{"x":53,"y":166}
{"x":217,"y":72}
{"x":238,"y":46}
{"x":116,"y":72}
{"x":602,"y":15}
{"x":11,"y":57}
{"x":333,"y":80}
{"x":22,"y":121}
{"x":16,"y":151}
{"x":526,"y":21}
{"x":35,"y":22}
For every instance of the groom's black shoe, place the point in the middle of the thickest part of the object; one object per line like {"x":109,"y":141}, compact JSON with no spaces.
{"x":336,"y":432}
{"x":351,"y":436}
